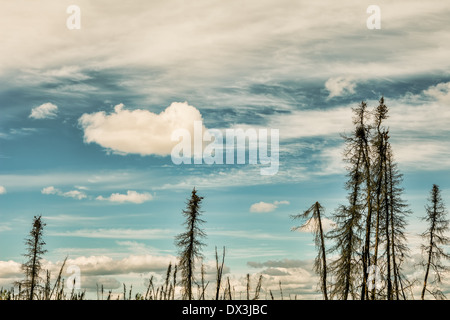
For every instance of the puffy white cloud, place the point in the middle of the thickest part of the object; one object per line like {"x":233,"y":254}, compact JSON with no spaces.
{"x":44,"y":111}
{"x":130,"y":196}
{"x":340,"y":86}
{"x":262,"y":207}
{"x":266,"y":207}
{"x":10,"y":269}
{"x":139,"y":131}
{"x":76,"y":194}
{"x":2,"y":190}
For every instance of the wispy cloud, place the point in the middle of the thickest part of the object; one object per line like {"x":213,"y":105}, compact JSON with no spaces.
{"x":117,"y":233}
{"x":4,"y":227}
{"x":72,"y":218}
{"x":2,"y":190}
{"x":76,"y":194}
{"x":249,"y":234}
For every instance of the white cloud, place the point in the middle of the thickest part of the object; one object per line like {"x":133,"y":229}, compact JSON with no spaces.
{"x":266,"y":207}
{"x":214,"y":42}
{"x":76,"y":194}
{"x":49,"y":190}
{"x":44,"y":111}
{"x":440,"y":92}
{"x":2,"y":190}
{"x":10,"y":269}
{"x":340,"y":86}
{"x":103,"y":265}
{"x":130,"y":196}
{"x":262,"y":207}
{"x":93,"y":268}
{"x":139,"y":131}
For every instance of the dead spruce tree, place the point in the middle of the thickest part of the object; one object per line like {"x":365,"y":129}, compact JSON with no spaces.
{"x":389,"y":210}
{"x":347,"y":234}
{"x":369,"y":236}
{"x":378,"y":145}
{"x":438,"y":225}
{"x":312,"y":221}
{"x":395,"y":223}
{"x":190,"y":244}
{"x":35,"y":249}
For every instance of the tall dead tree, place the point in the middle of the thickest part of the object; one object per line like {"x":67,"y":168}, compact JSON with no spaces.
{"x":312,"y":221}
{"x":398,"y":209}
{"x":347,"y":234}
{"x":35,"y":250}
{"x":190,"y":244}
{"x":434,"y":236}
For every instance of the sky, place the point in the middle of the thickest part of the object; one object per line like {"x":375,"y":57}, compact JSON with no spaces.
{"x":86,"y":118}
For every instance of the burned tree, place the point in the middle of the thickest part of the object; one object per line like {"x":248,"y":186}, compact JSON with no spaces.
{"x":35,"y":249}
{"x":435,"y":240}
{"x":347,"y":234}
{"x":312,"y":220}
{"x":189,"y":243}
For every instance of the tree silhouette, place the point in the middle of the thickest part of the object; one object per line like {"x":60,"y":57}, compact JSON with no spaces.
{"x":312,"y":217}
{"x":398,"y":209}
{"x":435,"y":239}
{"x":35,"y":250}
{"x":347,"y":234}
{"x":189,"y":243}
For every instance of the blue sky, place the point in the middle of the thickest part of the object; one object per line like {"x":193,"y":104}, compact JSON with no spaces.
{"x":294,"y":66}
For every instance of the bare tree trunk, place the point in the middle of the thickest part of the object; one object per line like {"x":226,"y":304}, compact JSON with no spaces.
{"x":430,"y":253}
{"x":324,"y":259}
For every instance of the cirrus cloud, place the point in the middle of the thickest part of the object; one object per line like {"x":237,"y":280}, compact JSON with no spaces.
{"x":76,"y":194}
